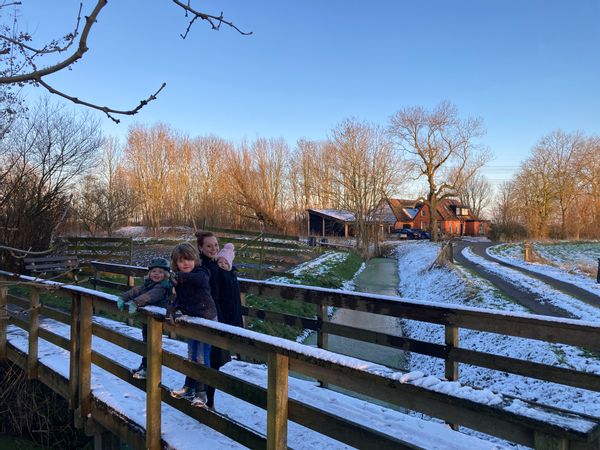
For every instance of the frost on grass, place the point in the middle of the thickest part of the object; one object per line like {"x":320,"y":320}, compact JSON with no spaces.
{"x":458,"y":286}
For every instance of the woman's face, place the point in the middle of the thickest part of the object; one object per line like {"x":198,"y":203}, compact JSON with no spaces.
{"x":210,"y":247}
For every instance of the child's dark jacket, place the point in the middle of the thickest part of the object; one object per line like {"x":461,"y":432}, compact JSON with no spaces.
{"x":149,"y":293}
{"x":193,"y":294}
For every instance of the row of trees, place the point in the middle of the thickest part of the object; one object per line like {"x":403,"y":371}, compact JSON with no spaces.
{"x":162,"y":177}
{"x":56,"y":168}
{"x":556,"y":191}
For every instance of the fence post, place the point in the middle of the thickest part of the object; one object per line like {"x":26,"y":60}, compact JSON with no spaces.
{"x":130,"y":284}
{"x":74,"y":353}
{"x":548,"y":442}
{"x":153,"y":390}
{"x":322,"y":338}
{"x":130,"y":251}
{"x":3,"y":322}
{"x":34,"y":330}
{"x":277,"y":401}
{"x":451,"y":367}
{"x":85,"y":356}
{"x":598,"y":272}
{"x":527,"y":251}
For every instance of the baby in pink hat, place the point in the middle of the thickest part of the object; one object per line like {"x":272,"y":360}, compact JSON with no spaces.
{"x":225,"y":257}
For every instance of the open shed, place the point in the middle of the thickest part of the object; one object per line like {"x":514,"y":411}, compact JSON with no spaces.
{"x":330,"y":222}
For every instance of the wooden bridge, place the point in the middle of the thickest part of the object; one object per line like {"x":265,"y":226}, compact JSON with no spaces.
{"x":506,"y":417}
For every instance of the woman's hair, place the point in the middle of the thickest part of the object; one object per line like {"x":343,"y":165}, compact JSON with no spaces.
{"x":201,"y":235}
{"x":184,"y":251}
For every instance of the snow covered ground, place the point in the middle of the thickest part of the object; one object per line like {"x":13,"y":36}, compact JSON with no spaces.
{"x":458,"y":286}
{"x":569,"y":260}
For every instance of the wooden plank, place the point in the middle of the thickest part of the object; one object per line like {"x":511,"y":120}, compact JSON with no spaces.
{"x":51,"y":266}
{"x":121,"y":340}
{"x":322,"y":337}
{"x":55,"y":314}
{"x":566,"y":331}
{"x":109,"y":284}
{"x":120,"y":269}
{"x":450,"y":366}
{"x":53,"y":258}
{"x":277,"y":401}
{"x":33,"y":338}
{"x":153,"y":390}
{"x":336,"y":427}
{"x":98,"y":239}
{"x":3,"y":321}
{"x":74,"y":353}
{"x":547,"y":442}
{"x":287,"y":319}
{"x":85,"y":355}
{"x":451,"y":341}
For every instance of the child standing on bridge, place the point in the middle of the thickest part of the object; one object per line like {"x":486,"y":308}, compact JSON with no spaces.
{"x":193,"y":298}
{"x":155,"y":291}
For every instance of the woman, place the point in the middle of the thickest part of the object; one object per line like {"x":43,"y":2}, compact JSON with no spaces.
{"x":225,"y":290}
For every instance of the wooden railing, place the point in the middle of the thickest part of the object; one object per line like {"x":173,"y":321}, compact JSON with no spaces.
{"x":545,"y":427}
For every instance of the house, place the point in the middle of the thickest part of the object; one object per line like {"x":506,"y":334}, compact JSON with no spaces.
{"x":453,"y":218}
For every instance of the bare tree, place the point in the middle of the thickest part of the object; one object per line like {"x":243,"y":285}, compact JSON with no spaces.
{"x":258,"y":173}
{"x":105,"y":199}
{"x":22,"y":61}
{"x":476,"y":193}
{"x":366,"y":170}
{"x":443,"y":149}
{"x":54,"y":149}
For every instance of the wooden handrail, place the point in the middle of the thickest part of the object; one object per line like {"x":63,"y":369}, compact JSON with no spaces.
{"x":498,"y":420}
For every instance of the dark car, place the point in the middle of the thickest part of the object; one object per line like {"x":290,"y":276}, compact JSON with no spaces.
{"x":406,"y":233}
{"x":422,"y":234}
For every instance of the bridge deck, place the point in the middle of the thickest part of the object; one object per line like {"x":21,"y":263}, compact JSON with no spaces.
{"x":180,"y":431}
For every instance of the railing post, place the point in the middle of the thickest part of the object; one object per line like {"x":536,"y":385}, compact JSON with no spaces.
{"x":34,"y":330}
{"x":3,"y":322}
{"x":153,"y":390}
{"x":547,"y":442}
{"x":277,"y":401}
{"x":451,"y":367}
{"x":74,"y":353}
{"x":85,"y":356}
{"x":322,"y":338}
{"x":243,"y":303}
{"x":527,"y":251}
{"x":130,"y":284}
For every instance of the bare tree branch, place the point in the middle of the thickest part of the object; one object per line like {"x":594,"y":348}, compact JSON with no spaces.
{"x":22,"y":66}
{"x":105,"y":109}
{"x":214,"y":21}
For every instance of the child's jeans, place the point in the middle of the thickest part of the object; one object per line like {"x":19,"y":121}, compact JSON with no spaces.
{"x":197,"y":352}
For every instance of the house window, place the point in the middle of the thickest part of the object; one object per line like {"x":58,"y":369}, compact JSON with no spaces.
{"x":422,"y":213}
{"x":423,"y":226}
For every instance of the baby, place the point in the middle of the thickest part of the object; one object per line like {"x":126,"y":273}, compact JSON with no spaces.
{"x":225,"y":257}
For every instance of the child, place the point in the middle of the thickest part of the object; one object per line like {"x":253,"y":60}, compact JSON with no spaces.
{"x":155,"y":291}
{"x":193,"y":298}
{"x":225,"y":257}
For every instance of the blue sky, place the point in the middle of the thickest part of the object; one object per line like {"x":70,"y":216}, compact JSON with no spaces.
{"x":525,"y":67}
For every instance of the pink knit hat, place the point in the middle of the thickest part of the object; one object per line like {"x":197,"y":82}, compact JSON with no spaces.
{"x":227,"y":253}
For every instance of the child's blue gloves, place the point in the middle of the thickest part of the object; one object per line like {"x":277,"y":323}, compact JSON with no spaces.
{"x":132,"y":308}
{"x":121,"y":304}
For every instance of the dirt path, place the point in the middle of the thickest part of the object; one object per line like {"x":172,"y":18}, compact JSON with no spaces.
{"x":529,"y":300}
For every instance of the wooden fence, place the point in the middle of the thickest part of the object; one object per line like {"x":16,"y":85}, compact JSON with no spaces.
{"x":102,"y":248}
{"x":541,"y":427}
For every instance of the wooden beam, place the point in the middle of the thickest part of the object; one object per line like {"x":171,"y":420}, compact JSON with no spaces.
{"x":451,"y":367}
{"x":74,"y":353}
{"x":277,"y":401}
{"x":548,"y":442}
{"x":85,"y":355}
{"x":3,"y":321}
{"x":322,"y":337}
{"x":153,"y":390}
{"x":34,"y":327}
